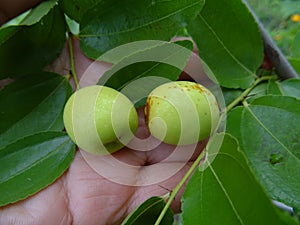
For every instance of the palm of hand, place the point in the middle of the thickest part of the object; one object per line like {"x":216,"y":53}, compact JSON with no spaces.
{"x":84,"y":197}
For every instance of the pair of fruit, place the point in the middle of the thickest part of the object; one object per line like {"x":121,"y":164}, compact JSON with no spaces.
{"x":101,"y":120}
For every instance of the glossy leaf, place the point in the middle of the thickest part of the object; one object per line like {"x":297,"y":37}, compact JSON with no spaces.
{"x":113,"y":23}
{"x":268,"y":132}
{"x":226,"y":192}
{"x":25,"y":49}
{"x":290,"y":87}
{"x":274,"y":88}
{"x":137,"y":75}
{"x":73,"y":26}
{"x":33,"y":163}
{"x":131,"y":49}
{"x":31,"y":16}
{"x":75,"y":9}
{"x":148,"y":212}
{"x":258,"y":91}
{"x":295,"y":63}
{"x":37,"y":13}
{"x":32,"y":104}
{"x":229,"y":42}
{"x":230,"y":94}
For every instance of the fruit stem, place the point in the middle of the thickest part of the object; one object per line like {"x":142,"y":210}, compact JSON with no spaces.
{"x":247,"y":91}
{"x":174,"y":192}
{"x":72,"y":64}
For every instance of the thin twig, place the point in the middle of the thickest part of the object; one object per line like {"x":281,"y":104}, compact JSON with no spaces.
{"x":247,"y":91}
{"x":284,"y":69}
{"x":179,"y":186}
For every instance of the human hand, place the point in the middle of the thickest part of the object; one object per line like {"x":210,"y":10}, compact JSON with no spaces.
{"x":82,"y":195}
{"x":11,"y":8}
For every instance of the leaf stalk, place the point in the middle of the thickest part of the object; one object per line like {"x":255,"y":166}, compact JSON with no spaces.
{"x":72,"y":63}
{"x":247,"y":91}
{"x":179,"y":186}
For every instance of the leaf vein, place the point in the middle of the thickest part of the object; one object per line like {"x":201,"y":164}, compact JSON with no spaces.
{"x":150,"y":69}
{"x":145,"y":210}
{"x":36,"y":107}
{"x":270,"y":133}
{"x":142,"y":25}
{"x":225,"y":48}
{"x":227,"y":196}
{"x":37,"y":162}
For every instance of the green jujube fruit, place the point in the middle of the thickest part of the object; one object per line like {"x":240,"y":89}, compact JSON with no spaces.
{"x":181,"y":112}
{"x":99,"y":119}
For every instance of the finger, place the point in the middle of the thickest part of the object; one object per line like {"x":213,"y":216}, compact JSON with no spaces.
{"x":11,"y":8}
{"x":164,"y":152}
{"x":93,"y":198}
{"x":161,"y":189}
{"x":48,"y":207}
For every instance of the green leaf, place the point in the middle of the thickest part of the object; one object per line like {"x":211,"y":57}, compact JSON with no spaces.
{"x":76,"y":8}
{"x":230,"y":94}
{"x":137,"y":75}
{"x":32,"y":16}
{"x":33,"y":163}
{"x":25,"y":49}
{"x":15,"y":21}
{"x":73,"y":26}
{"x":288,"y":218}
{"x":290,"y":87}
{"x":113,"y":23}
{"x":119,"y":53}
{"x":233,"y":124}
{"x":148,"y":212}
{"x":258,"y":91}
{"x":32,"y":104}
{"x":37,"y":13}
{"x":273,"y":88}
{"x":226,"y":192}
{"x":295,"y":48}
{"x":289,"y":8}
{"x":268,"y":132}
{"x":295,"y":63}
{"x":229,"y":42}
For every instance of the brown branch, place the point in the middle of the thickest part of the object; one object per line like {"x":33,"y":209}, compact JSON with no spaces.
{"x":275,"y":55}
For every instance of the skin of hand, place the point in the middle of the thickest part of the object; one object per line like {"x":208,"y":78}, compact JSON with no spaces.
{"x":81,"y":196}
{"x":10,"y":8}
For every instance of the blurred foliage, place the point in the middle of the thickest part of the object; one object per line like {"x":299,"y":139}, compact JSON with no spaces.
{"x":281,"y":18}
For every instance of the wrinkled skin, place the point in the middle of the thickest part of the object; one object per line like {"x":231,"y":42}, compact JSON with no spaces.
{"x":83,"y":197}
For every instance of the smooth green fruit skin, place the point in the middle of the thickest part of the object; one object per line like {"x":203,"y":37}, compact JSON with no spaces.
{"x":181,"y":112}
{"x":99,"y":119}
